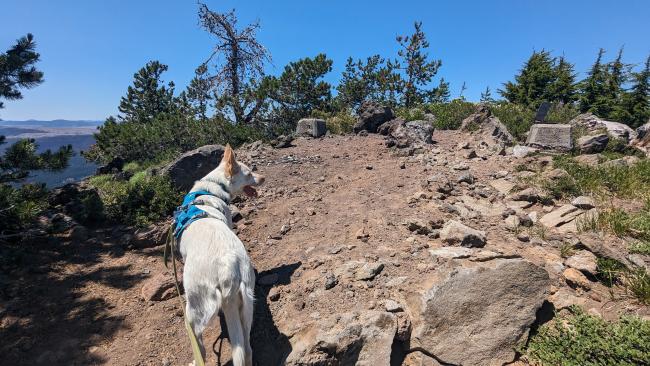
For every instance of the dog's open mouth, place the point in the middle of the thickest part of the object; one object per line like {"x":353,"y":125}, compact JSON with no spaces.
{"x":250,"y":191}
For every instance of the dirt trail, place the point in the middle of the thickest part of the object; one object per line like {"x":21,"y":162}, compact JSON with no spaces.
{"x":339,"y":199}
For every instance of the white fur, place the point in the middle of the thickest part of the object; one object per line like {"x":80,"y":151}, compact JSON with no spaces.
{"x":218,"y":273}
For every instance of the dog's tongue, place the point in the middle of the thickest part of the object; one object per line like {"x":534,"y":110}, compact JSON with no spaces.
{"x":250,"y":191}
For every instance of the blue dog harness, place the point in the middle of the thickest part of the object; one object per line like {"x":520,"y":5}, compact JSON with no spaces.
{"x":187,"y":212}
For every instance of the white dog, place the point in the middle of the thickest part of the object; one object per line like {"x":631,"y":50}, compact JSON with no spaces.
{"x":218,"y":273}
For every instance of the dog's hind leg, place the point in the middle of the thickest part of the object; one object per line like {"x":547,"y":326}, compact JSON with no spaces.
{"x":231,"y":310}
{"x":246,"y":317}
{"x":200,"y":308}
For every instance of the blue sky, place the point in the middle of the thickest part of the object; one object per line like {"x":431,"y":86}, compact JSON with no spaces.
{"x":90,"y":49}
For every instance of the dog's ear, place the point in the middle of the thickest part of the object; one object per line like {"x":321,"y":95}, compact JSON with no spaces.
{"x":230,"y":163}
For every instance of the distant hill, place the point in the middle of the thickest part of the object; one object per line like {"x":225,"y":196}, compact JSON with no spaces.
{"x":57,"y":123}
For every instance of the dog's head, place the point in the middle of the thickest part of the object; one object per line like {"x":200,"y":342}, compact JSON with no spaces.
{"x":239,"y":176}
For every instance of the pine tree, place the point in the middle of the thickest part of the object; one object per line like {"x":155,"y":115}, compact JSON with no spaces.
{"x":593,"y":96}
{"x":148,"y":96}
{"x":242,"y":68}
{"x":637,"y":101}
{"x":300,"y":89}
{"x":616,"y":96}
{"x":533,"y":84}
{"x":617,"y":76}
{"x":486,"y":96}
{"x":415,"y":64}
{"x":199,"y":92}
{"x":563,"y":89}
{"x":441,"y":93}
{"x":18,"y":70}
{"x":360,"y":81}
{"x":22,"y":156}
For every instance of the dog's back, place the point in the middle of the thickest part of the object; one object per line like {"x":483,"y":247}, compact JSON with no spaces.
{"x":218,"y":275}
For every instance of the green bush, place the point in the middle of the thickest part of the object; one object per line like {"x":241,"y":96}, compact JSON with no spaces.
{"x":340,"y":122}
{"x":641,"y":247}
{"x":609,"y":271}
{"x":638,"y":282}
{"x":561,"y":113}
{"x":410,"y":114}
{"x":164,"y":137}
{"x":561,"y":187}
{"x":139,"y":201}
{"x":449,"y":116}
{"x":622,"y":223}
{"x":90,"y":208}
{"x":617,"y":148}
{"x":20,"y":206}
{"x":580,"y":339}
{"x":516,"y":118}
{"x":622,"y":181}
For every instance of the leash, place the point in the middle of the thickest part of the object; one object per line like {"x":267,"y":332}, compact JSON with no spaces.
{"x":170,"y":246}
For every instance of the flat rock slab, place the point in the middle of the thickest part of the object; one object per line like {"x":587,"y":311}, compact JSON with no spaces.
{"x":478,"y":315}
{"x":550,"y":136}
{"x":312,"y":127}
{"x":502,"y":186}
{"x":562,"y":215}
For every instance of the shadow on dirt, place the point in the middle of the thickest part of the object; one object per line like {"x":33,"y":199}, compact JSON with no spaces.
{"x":270,"y":346}
{"x":43,"y":317}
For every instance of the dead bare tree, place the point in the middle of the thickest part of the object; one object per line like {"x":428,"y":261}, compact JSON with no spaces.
{"x":239,"y":73}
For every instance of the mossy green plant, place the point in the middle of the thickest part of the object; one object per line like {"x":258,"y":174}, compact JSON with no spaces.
{"x":579,"y":339}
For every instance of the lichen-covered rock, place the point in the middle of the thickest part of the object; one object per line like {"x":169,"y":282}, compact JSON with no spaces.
{"x":413,"y":134}
{"x":592,"y":144}
{"x":615,"y":129}
{"x":476,"y":313}
{"x":371,"y":116}
{"x":483,"y":122}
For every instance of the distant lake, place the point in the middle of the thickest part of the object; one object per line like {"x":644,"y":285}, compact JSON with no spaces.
{"x":49,"y":137}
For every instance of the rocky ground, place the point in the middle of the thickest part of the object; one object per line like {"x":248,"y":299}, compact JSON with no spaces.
{"x":365,"y":255}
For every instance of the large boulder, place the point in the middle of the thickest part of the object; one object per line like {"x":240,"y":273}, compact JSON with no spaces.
{"x":193,"y":165}
{"x":413,"y":134}
{"x":483,"y":122}
{"x":594,"y":124}
{"x":592,"y":144}
{"x":371,"y":116}
{"x":476,"y":312}
{"x":356,"y":338}
{"x":311,"y":127}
